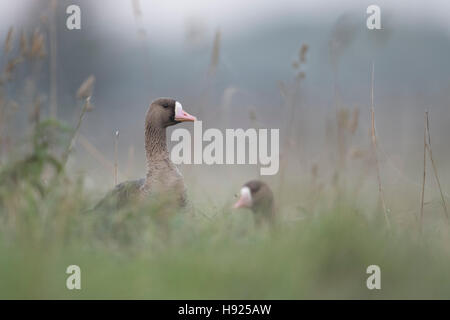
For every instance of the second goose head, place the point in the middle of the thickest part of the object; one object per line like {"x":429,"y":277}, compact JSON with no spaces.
{"x":258,"y":197}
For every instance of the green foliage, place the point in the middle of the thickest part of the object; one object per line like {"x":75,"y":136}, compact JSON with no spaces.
{"x":46,"y":225}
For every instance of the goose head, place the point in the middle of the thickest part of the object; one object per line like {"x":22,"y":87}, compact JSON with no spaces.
{"x":165,"y":112}
{"x":255,"y":195}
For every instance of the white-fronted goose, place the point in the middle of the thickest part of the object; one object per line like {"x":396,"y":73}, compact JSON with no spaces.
{"x":258,"y":197}
{"x":163,"y":177}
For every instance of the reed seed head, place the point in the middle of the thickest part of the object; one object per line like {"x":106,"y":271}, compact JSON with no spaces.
{"x":23,"y":44}
{"x":354,"y":121}
{"x":8,"y":41}
{"x":37,"y":45}
{"x":303,"y":51}
{"x":85,"y":89}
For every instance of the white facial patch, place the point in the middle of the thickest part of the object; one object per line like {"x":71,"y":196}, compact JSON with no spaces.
{"x":245,"y":199}
{"x":178,"y":108}
{"x":246,"y":196}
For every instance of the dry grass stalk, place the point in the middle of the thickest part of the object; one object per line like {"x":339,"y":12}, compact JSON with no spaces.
{"x":142,"y":35}
{"x":77,"y":128}
{"x":297,"y":65}
{"x":116,"y":152}
{"x":23,"y":44}
{"x":35,"y":114}
{"x":37,"y":50}
{"x":86,"y":88}
{"x":53,"y":60}
{"x":11,"y":67}
{"x":130,"y":162}
{"x":2,"y":126}
{"x":424,"y":170}
{"x":96,"y":154}
{"x":354,"y":122}
{"x":374,"y":150}
{"x":428,"y":147}
{"x":347,"y":124}
{"x":290,"y":97}
{"x":302,"y":53}
{"x":136,"y":8}
{"x":215,"y":55}
{"x":8,"y":42}
{"x":343,"y":118}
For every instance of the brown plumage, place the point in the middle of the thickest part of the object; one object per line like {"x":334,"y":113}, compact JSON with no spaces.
{"x":258,"y":197}
{"x":163,"y":180}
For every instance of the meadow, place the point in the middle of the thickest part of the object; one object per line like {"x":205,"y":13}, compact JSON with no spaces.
{"x":338,"y":214}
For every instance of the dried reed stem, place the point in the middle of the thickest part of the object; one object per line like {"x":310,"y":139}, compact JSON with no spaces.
{"x":130,"y":162}
{"x":291,"y":102}
{"x":374,"y":150}
{"x":287,"y":146}
{"x":424,"y":170}
{"x":215,"y":53}
{"x":77,"y":128}
{"x":53,"y":61}
{"x":94,"y":152}
{"x":116,"y":151}
{"x":8,"y":42}
{"x":428,"y":146}
{"x":142,"y":35}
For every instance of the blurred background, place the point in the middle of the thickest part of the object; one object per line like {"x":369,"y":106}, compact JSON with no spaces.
{"x":301,"y":66}
{"x":304,"y":67}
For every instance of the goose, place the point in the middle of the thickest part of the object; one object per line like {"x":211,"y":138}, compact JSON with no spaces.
{"x":258,"y":197}
{"x":163,"y":178}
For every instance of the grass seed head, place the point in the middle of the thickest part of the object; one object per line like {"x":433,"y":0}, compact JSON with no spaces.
{"x":37,"y":45}
{"x":8,"y":41}
{"x":23,"y":44}
{"x":85,"y":90}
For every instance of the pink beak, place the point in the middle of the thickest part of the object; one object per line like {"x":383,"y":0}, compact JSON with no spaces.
{"x":184,"y":116}
{"x":243,"y":202}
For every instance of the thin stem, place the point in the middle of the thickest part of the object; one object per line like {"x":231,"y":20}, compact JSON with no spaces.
{"x":53,"y":60}
{"x":116,"y":151}
{"x":424,"y":170}
{"x":427,"y":128}
{"x":77,"y":128}
{"x":374,"y":150}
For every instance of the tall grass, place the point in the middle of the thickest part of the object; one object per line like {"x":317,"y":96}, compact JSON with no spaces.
{"x":374,"y":150}
{"x":330,"y":229}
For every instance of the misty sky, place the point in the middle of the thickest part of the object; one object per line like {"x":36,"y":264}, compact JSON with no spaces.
{"x":260,"y":39}
{"x":170,"y":17}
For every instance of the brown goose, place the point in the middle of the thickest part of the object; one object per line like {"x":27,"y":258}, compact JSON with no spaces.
{"x":258,"y":197}
{"x":163,"y":177}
